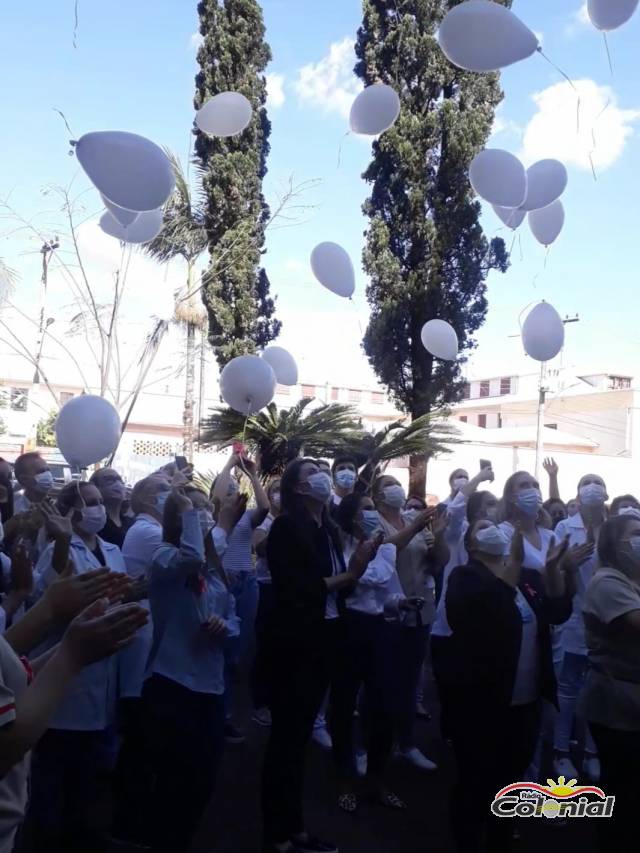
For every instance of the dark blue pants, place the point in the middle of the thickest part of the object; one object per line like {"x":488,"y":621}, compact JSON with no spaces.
{"x":261,"y":669}
{"x":70,"y":781}
{"x":185,"y":737}
{"x":408,"y":649}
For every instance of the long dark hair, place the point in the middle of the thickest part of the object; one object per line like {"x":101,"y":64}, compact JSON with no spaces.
{"x":293,"y":506}
{"x":347,"y":511}
{"x":611,"y":532}
{"x":172,"y":518}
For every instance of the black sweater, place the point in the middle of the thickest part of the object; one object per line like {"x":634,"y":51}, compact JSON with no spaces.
{"x":487,"y":632}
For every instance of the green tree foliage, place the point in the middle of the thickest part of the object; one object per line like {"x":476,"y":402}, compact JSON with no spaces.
{"x":426,"y":253}
{"x":233,"y":56}
{"x":45,"y":431}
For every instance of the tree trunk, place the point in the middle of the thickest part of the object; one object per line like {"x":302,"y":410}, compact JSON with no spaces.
{"x":190,"y":371}
{"x":418,"y":474}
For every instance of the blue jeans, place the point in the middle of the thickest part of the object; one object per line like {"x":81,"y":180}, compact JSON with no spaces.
{"x":573,"y":672}
{"x":244,"y":587}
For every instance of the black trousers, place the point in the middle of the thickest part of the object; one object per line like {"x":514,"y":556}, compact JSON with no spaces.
{"x":185,"y":737}
{"x":619,"y":753}
{"x":363,"y":662}
{"x":300,"y":674}
{"x":493,"y":747}
{"x":133,"y":779}
{"x":260,"y":671}
{"x":440,"y":655}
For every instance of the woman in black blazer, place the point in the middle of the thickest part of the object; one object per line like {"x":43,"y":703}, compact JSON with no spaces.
{"x":308,"y":572}
{"x":500,"y":669}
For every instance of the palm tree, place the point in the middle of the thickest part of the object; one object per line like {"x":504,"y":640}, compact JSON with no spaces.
{"x":279,"y":435}
{"x":184,"y":235}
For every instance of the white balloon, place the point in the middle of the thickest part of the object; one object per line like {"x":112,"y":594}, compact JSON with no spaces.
{"x":124,"y":217}
{"x":611,"y":14}
{"x":375,"y":110}
{"x":511,"y":217}
{"x":543,"y":332}
{"x":483,"y":36}
{"x":226,"y":114}
{"x":247,"y":384}
{"x":498,"y":177}
{"x":546,"y":224}
{"x":546,"y":181}
{"x":143,"y":229}
{"x":87,"y":430}
{"x":440,"y":339}
{"x":129,"y":170}
{"x":283,"y":365}
{"x":332,"y":266}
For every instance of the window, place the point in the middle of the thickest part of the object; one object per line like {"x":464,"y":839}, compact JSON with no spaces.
{"x":463,"y":418}
{"x":65,"y":396}
{"x":505,"y":386}
{"x":377,"y":397}
{"x":485,"y":388}
{"x":283,"y":389}
{"x":308,"y":392}
{"x":19,"y":399}
{"x":482,"y":421}
{"x":355,"y":396}
{"x":617,"y":383}
{"x":335,"y":393}
{"x":466,"y":391}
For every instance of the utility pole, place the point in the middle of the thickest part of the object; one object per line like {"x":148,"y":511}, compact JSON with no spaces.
{"x":542,"y":399}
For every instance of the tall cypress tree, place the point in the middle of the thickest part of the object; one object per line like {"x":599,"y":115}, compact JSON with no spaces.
{"x":426,"y":254}
{"x":233,"y":57}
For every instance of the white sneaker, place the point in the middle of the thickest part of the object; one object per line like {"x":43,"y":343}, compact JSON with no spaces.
{"x":591,"y":767}
{"x":322,"y":738}
{"x":564,"y":766}
{"x":415,"y":757}
{"x":361,"y":763}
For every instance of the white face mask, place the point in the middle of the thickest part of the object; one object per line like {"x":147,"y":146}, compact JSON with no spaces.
{"x":370,"y":521}
{"x":633,"y":511}
{"x":44,"y":481}
{"x":394,"y":496}
{"x":460,"y":483}
{"x":114,"y":492}
{"x":345,"y":479}
{"x":319,"y":486}
{"x":93,"y":519}
{"x":529,"y":501}
{"x":492,"y":540}
{"x":592,"y":495}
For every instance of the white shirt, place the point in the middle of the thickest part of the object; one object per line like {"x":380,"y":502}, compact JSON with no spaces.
{"x":142,"y":540}
{"x":379,"y":587}
{"x":455,"y":532}
{"x":13,"y":785}
{"x":21,"y":503}
{"x":90,"y":701}
{"x":572,"y":634}
{"x":534,"y":558}
{"x":525,"y":688}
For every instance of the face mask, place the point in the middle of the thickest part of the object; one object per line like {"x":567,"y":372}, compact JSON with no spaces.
{"x":460,"y":483}
{"x":529,"y":501}
{"x":492,"y":540}
{"x":345,"y":479}
{"x":592,"y":495}
{"x":93,"y":519}
{"x":160,"y":500}
{"x":492,"y":513}
{"x":410,"y":514}
{"x":630,"y":510}
{"x":370,"y":521}
{"x":394,"y":496}
{"x":630,"y":550}
{"x":44,"y":481}
{"x":320,"y":486}
{"x":206,"y":521}
{"x":275,"y":499}
{"x":114,"y":492}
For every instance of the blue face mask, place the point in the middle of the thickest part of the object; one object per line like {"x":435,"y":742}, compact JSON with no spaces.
{"x":529,"y":501}
{"x":345,"y":479}
{"x":161,"y":499}
{"x":370,"y":522}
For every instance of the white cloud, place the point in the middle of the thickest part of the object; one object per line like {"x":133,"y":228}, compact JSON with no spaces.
{"x":582,"y":15}
{"x":195,"y":40}
{"x":502,"y":124}
{"x":578,"y":21}
{"x":330,"y":83}
{"x":603,"y":131}
{"x":275,"y":91}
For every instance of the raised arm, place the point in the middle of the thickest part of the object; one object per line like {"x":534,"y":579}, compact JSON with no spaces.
{"x":170,"y":563}
{"x":402,"y":538}
{"x":485,"y":475}
{"x":551,"y":467}
{"x":262,"y":501}
{"x":224,"y":478}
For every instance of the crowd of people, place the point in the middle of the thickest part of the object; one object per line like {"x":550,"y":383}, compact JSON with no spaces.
{"x":128,"y":615}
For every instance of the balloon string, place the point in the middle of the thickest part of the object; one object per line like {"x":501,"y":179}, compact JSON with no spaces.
{"x":513,"y":242}
{"x":594,"y":140}
{"x":348,"y":133}
{"x":64,"y":119}
{"x":75,"y":24}
{"x":357,"y":316}
{"x":546,"y":257}
{"x":569,"y":81}
{"x":606,"y":44}
{"x":520,"y":245}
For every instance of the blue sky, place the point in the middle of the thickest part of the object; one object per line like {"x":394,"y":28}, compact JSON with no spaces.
{"x":133,"y":70}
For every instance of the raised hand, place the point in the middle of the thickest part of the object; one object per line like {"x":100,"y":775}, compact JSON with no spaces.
{"x":71,"y":593}
{"x":576,"y":556}
{"x":486,"y":475}
{"x":248,"y":466}
{"x":21,"y":570}
{"x":550,"y":466}
{"x":215,"y":627}
{"x":99,"y":632}
{"x":183,"y":504}
{"x":58,"y":526}
{"x":557,"y":554}
{"x":423,"y":518}
{"x":516,"y":552}
{"x":232,"y":509}
{"x":364,"y":553}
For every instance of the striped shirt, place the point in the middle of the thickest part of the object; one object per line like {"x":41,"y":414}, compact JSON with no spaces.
{"x":237,"y":557}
